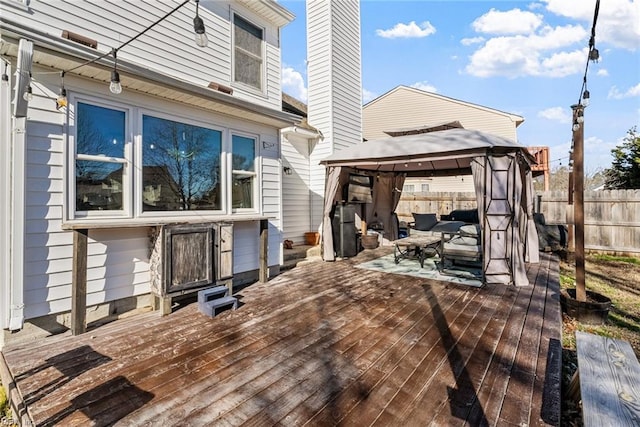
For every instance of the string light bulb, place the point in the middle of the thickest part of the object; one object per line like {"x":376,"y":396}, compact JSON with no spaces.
{"x":5,"y":76}
{"x":115,"y":87}
{"x":28,"y":94}
{"x":198,"y":28}
{"x":585,"y":98}
{"x":594,"y":55}
{"x":61,"y":100}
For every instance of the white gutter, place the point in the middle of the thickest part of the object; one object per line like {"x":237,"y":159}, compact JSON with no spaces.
{"x":303,"y":132}
{"x":73,"y":51}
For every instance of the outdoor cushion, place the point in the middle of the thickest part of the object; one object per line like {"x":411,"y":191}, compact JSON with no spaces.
{"x":453,"y":251}
{"x":447,"y":226}
{"x":466,"y":215}
{"x":465,"y":241}
{"x":470,"y":230}
{"x":424,"y":222}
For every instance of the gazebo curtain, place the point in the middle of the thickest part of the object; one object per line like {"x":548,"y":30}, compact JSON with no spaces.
{"x":387,"y":189}
{"x":330,"y":189}
{"x":504,"y":191}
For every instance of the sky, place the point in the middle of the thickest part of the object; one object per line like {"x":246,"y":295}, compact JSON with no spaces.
{"x":523,"y":57}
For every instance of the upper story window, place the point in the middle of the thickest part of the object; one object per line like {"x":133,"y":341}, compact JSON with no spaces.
{"x":425,"y":188}
{"x":409,"y":188}
{"x":248,"y":51}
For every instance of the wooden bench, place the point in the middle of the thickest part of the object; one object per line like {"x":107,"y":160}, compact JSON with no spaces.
{"x":608,"y":378}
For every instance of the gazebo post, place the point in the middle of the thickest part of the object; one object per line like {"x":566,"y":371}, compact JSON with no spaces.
{"x":578,"y":215}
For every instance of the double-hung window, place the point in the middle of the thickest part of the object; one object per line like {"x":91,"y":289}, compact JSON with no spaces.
{"x":248,"y":51}
{"x":243,"y":164}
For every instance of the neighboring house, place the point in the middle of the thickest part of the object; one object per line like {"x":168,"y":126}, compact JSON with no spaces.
{"x":405,"y":110}
{"x":194,"y":137}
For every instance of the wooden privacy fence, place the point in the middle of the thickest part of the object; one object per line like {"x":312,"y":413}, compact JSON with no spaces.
{"x":440,"y":203}
{"x":612,"y":217}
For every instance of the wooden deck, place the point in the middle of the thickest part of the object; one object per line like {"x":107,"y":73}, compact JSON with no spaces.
{"x":321,"y":344}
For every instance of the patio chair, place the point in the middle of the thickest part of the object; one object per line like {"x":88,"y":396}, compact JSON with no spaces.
{"x":461,"y":247}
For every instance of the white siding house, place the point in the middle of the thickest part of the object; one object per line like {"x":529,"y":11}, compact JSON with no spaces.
{"x":409,"y":108}
{"x":221,"y":104}
{"x":335,"y":86}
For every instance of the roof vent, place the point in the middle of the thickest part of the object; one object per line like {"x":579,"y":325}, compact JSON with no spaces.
{"x":221,"y":88}
{"x":80,"y":39}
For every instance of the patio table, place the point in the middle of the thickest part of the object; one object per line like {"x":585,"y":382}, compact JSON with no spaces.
{"x":418,"y":247}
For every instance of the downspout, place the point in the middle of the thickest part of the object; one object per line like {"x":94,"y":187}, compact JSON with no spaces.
{"x":17,"y":198}
{"x":5,"y":196}
{"x":16,"y":275}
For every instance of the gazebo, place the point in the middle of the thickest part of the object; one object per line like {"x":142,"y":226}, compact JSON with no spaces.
{"x":502,"y":177}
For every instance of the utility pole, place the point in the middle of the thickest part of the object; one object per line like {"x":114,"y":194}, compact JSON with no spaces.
{"x":578,"y":207}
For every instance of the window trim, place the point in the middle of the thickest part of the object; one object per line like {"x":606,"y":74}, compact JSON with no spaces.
{"x":128,"y":174}
{"x":132,"y":173}
{"x":257,"y":188}
{"x":262,"y":91}
{"x":138,"y":190}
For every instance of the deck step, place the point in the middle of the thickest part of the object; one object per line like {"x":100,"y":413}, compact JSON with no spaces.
{"x":212,"y":293}
{"x":215,"y":306}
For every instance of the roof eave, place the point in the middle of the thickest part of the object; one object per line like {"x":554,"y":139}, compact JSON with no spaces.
{"x":58,"y":47}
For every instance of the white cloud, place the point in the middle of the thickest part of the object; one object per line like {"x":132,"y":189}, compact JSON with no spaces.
{"x":514,"y":21}
{"x":425,"y":85}
{"x":293,"y":83}
{"x":472,"y":40}
{"x":367,"y":96}
{"x":410,"y":30}
{"x":556,"y":114}
{"x":602,"y":72}
{"x":614,"y":92}
{"x":597,"y":153}
{"x":533,"y":55}
{"x":564,"y":63}
{"x":617,"y":22}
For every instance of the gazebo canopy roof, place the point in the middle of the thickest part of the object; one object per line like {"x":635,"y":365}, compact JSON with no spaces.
{"x":440,"y":151}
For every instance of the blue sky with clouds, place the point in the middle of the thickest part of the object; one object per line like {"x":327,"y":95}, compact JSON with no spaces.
{"x":523,"y":57}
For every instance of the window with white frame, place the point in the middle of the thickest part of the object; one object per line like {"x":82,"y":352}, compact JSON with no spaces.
{"x":425,"y":188}
{"x":248,"y":51}
{"x":179,"y":165}
{"x":408,"y":188}
{"x":101,"y":159}
{"x":243,"y":171}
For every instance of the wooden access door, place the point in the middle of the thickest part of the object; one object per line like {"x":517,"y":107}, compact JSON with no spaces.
{"x":188,"y":257}
{"x":224,"y":250}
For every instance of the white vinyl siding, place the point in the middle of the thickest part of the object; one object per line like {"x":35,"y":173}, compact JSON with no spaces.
{"x":444,"y":184}
{"x":334,"y":106}
{"x":405,"y":107}
{"x":296,"y":196}
{"x":118,"y":264}
{"x":169,"y":47}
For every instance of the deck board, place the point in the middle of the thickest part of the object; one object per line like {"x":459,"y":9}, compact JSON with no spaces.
{"x":321,"y":344}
